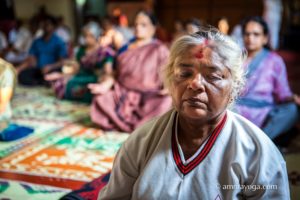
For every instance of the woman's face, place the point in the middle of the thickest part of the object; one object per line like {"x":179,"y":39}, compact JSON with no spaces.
{"x":201,"y":85}
{"x":89,"y":38}
{"x":144,"y":29}
{"x":254,"y":38}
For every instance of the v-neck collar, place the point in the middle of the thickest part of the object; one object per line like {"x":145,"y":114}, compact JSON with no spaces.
{"x":187,"y":166}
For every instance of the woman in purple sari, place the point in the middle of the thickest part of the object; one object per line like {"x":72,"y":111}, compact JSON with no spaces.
{"x":135,"y":94}
{"x":267,"y":100}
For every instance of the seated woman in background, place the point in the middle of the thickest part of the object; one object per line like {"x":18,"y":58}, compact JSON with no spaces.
{"x":267,"y":100}
{"x":199,"y":149}
{"x":136,"y":93}
{"x":95,"y":64}
{"x":8,"y":80}
{"x":7,"y":85}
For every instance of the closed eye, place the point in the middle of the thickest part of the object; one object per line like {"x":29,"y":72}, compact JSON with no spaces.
{"x":213,"y":77}
{"x":185,"y":65}
{"x":185,"y":74}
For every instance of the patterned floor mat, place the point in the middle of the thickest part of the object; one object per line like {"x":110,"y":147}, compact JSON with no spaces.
{"x":64,"y":152}
{"x":41,"y":104}
{"x":88,"y":191}
{"x":41,"y":129}
{"x":75,"y":152}
{"x":15,"y":190}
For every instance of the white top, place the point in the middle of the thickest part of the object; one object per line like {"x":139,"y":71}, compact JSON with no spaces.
{"x":64,"y":33}
{"x":21,"y":39}
{"x":237,"y":161}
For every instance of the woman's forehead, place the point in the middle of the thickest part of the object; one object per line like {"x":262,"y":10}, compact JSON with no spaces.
{"x":205,"y":56}
{"x":141,"y":17}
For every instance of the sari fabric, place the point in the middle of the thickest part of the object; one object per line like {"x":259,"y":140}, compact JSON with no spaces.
{"x":75,"y":87}
{"x":266,"y":87}
{"x":136,"y":94}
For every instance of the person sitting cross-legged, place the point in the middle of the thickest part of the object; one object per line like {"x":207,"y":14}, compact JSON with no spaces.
{"x":199,"y":149}
{"x":267,"y":100}
{"x":46,"y":54}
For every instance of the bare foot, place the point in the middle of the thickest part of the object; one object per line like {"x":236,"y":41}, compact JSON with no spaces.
{"x":53,"y":76}
{"x":99,"y":88}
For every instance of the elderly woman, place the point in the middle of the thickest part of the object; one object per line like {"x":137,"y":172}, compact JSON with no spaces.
{"x":135,"y":94}
{"x":200,"y":149}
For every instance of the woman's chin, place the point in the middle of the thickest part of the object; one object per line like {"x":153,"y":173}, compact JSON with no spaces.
{"x":194,"y":112}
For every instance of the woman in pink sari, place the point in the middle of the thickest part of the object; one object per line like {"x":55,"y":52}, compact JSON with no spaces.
{"x":135,"y":94}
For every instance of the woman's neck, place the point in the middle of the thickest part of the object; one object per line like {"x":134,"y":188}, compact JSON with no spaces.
{"x":143,"y":41}
{"x":192,"y":134}
{"x":139,"y":42}
{"x":252,"y":54}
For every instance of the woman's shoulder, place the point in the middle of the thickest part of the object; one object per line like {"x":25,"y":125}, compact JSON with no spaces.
{"x":161,"y":48}
{"x":249,"y":142}
{"x":252,"y":138}
{"x":275,"y":58}
{"x":150,"y":132}
{"x":159,"y":44}
{"x":244,"y":127}
{"x":7,"y":67}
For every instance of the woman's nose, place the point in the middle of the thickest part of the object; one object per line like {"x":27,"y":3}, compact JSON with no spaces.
{"x":197,"y":83}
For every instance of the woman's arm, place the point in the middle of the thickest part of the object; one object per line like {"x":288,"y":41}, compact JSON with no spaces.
{"x":122,"y":179}
{"x":28,"y":62}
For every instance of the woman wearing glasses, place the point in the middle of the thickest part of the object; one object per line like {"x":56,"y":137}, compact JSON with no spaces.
{"x":267,"y":99}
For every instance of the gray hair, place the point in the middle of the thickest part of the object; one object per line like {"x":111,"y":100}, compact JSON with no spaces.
{"x":93,"y":28}
{"x":229,"y":51}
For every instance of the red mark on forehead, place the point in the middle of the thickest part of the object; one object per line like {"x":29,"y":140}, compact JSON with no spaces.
{"x":200,"y":48}
{"x":199,"y":54}
{"x":206,"y":42}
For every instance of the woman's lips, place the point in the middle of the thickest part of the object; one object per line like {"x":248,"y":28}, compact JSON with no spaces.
{"x":196,"y":102}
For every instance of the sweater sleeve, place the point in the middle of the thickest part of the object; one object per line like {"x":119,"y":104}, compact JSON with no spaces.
{"x":123,"y":177}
